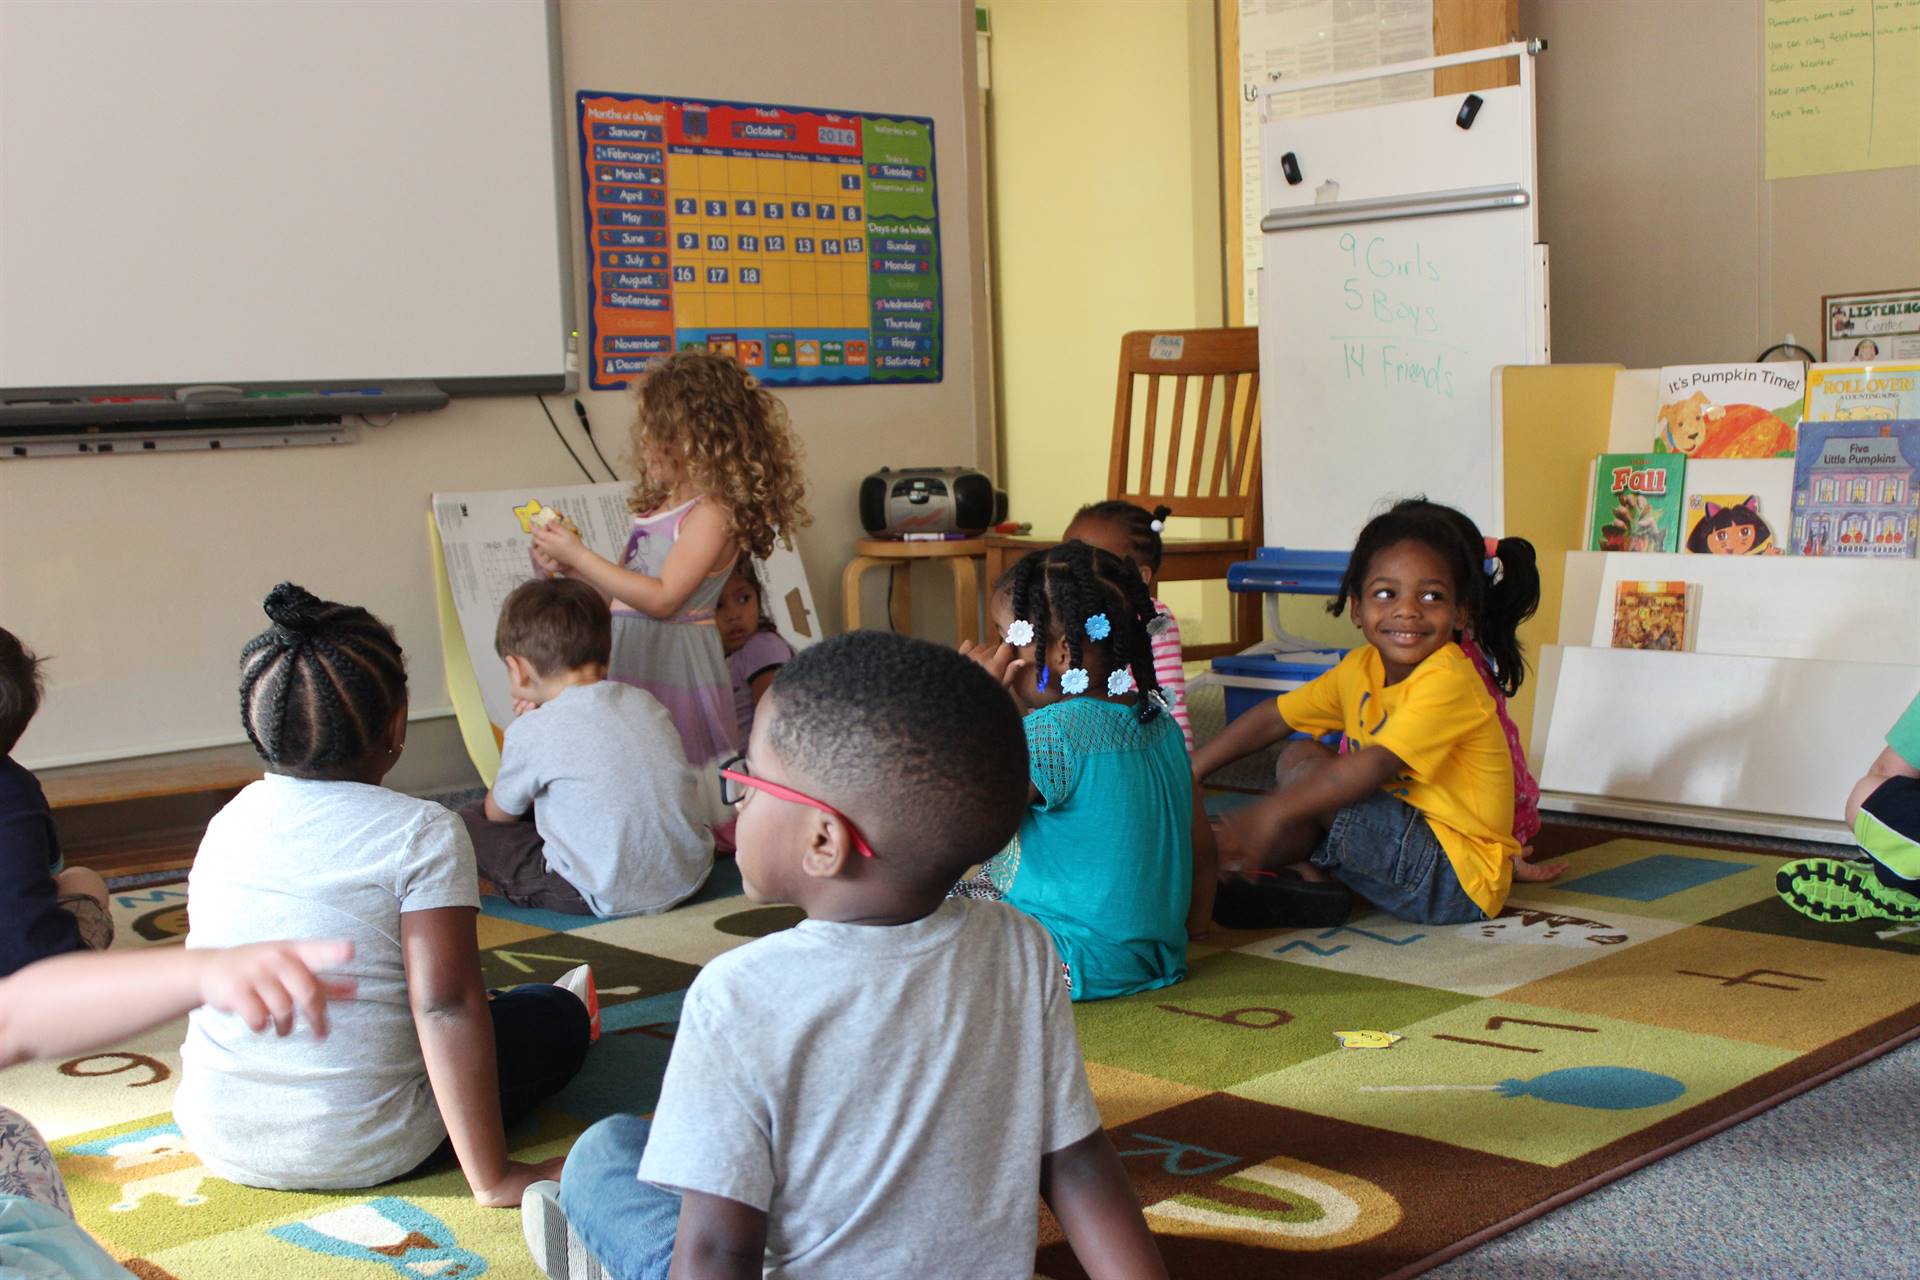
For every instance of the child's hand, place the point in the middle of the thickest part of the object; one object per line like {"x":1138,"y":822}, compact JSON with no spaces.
{"x":272,"y":981}
{"x":1524,"y":870}
{"x":557,"y":542}
{"x":1001,"y":661}
{"x":506,"y":1190}
{"x":523,"y":705}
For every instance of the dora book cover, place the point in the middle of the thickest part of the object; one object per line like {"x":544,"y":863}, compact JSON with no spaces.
{"x":1728,"y":524}
{"x":1637,"y":502}
{"x":1730,"y":410}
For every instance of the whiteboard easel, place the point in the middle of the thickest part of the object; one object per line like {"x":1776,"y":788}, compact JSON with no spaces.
{"x":1401,"y":267}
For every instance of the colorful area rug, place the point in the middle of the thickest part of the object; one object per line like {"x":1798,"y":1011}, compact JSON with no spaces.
{"x":1655,"y":994}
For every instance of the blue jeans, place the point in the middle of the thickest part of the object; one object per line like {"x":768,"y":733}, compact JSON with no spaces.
{"x":1383,"y":850}
{"x":627,"y":1224}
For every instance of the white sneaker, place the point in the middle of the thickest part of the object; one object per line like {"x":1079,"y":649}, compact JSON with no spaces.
{"x":550,"y":1239}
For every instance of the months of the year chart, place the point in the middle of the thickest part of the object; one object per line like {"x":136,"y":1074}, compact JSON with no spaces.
{"x":804,"y":243}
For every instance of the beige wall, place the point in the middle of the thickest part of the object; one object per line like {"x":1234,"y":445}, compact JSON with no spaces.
{"x":1669,"y":245}
{"x":141,"y":575}
{"x":1106,"y":218}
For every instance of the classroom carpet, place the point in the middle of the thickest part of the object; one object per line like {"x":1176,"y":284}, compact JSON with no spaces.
{"x":1655,"y":994}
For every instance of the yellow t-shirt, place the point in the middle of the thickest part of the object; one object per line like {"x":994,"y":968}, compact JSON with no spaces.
{"x":1442,"y":724}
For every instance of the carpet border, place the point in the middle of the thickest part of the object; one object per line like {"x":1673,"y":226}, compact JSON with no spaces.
{"x":1739,"y":1115}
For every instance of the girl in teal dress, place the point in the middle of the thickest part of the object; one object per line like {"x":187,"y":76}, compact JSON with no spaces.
{"x":1114,"y":856}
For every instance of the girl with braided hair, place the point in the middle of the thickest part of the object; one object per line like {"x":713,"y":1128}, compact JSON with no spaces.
{"x":421,"y":1063}
{"x":1113,"y":856}
{"x":1134,"y":534}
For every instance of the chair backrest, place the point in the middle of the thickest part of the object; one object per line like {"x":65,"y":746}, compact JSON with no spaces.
{"x":1192,"y":441}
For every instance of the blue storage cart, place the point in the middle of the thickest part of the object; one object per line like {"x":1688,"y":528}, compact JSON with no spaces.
{"x":1286,"y":662}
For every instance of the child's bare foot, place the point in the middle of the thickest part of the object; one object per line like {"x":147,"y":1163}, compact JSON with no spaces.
{"x":1524,"y":870}
{"x":1307,"y":871}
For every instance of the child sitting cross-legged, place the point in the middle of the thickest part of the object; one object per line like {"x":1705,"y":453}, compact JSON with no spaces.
{"x":422,"y":1063}
{"x":881,"y":1090}
{"x":1114,"y":855}
{"x":594,"y":811}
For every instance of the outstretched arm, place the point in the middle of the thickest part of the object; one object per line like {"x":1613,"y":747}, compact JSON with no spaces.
{"x":1088,"y":1192}
{"x":1314,"y":798}
{"x":84,"y":999}
{"x":718,"y":1239}
{"x":450,"y":1015}
{"x":704,"y":538}
{"x":1257,"y":727}
{"x":1206,"y":870}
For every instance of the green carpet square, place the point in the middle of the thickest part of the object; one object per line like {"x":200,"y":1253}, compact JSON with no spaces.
{"x":1237,"y":1017}
{"x":1582,"y":1080}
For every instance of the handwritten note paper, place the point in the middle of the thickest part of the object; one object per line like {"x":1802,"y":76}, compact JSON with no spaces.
{"x":1843,"y":85}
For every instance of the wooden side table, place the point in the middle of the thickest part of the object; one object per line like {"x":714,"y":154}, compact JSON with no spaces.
{"x":897,"y":558}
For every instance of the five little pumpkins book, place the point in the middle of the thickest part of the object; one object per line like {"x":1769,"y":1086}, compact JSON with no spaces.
{"x":1637,"y":502}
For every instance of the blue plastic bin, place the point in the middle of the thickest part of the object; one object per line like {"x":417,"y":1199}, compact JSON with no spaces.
{"x":1247,"y":680}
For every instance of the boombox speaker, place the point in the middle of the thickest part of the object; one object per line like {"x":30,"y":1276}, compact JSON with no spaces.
{"x":929,"y":500}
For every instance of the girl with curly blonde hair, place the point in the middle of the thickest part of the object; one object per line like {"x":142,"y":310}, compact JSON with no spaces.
{"x":719,"y":475}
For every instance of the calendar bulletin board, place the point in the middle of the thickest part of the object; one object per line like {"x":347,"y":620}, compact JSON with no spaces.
{"x":805,"y":243}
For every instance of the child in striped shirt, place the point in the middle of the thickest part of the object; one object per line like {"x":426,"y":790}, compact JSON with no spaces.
{"x":1133,"y":534}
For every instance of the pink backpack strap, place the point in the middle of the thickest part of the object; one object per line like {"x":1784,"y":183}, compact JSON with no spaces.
{"x":1526,"y":790}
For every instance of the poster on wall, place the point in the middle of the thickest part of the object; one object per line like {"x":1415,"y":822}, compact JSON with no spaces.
{"x":1864,"y":327}
{"x":804,"y":243}
{"x":1297,"y":40}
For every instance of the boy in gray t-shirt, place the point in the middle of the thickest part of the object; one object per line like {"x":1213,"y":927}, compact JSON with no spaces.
{"x":881,"y":1090}
{"x":594,"y":811}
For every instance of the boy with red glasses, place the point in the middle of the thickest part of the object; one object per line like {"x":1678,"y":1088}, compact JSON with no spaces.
{"x":880,"y":1090}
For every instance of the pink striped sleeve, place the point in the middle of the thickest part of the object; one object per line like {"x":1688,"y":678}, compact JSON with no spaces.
{"x":1168,"y":671}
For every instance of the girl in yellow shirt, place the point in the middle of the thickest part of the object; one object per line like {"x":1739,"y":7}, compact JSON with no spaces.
{"x":1415,"y":811}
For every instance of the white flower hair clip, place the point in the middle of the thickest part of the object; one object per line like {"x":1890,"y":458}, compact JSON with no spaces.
{"x":1119,"y":682}
{"x":1074,"y":680}
{"x":1020,"y":633}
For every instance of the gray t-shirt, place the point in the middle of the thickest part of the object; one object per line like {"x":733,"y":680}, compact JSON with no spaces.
{"x":884,"y":1094}
{"x":293,"y":858}
{"x":622,"y":816}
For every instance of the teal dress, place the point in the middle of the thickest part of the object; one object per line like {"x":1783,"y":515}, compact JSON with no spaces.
{"x":1104,"y":858}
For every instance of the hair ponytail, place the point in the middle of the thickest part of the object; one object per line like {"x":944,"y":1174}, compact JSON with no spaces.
{"x":1512,"y":596}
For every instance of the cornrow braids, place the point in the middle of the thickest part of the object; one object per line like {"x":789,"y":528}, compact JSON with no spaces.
{"x":1057,"y":589}
{"x":319,"y":686}
{"x":1136,"y":523}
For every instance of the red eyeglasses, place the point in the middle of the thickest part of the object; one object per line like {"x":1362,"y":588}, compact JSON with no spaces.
{"x":742,"y":780}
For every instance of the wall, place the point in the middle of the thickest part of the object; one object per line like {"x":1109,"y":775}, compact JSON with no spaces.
{"x":1106,"y":218}
{"x":141,"y":576}
{"x":1669,"y":244}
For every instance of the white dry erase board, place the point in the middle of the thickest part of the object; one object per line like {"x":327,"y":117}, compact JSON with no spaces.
{"x":282,"y":192}
{"x":1400,"y":269}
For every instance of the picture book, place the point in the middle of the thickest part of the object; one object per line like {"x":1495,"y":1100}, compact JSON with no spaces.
{"x":1652,"y":615}
{"x":1853,"y":392}
{"x":1728,"y":524}
{"x":1729,"y":410}
{"x":1854,"y":489}
{"x":1636,"y":502}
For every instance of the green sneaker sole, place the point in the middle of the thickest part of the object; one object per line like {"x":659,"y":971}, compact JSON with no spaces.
{"x":1835,"y":892}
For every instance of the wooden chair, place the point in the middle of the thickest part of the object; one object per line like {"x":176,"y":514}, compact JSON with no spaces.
{"x":1195,"y":447}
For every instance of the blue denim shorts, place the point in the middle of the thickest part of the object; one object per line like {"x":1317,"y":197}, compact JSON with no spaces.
{"x":1383,"y":850}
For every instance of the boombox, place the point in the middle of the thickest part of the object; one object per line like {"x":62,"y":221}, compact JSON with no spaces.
{"x":929,"y":500}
